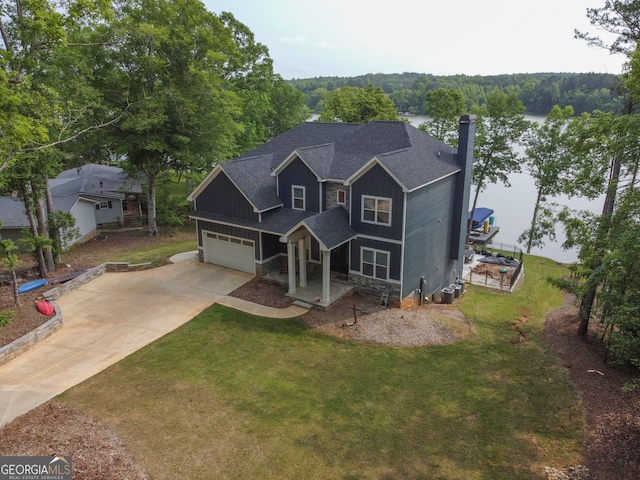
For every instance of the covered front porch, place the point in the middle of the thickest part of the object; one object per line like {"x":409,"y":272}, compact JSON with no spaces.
{"x":332,"y":232}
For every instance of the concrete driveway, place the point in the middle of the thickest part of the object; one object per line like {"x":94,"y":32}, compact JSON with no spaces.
{"x":107,"y":319}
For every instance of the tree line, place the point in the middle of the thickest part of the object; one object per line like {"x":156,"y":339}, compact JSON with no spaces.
{"x":151,"y":85}
{"x":539,"y":92}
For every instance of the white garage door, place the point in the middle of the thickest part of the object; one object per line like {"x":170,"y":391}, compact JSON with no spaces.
{"x":230,"y":252}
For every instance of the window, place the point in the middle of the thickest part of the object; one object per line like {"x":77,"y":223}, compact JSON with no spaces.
{"x":297,"y":195}
{"x":376,"y":210}
{"x":375,"y":263}
{"x":103,"y":205}
{"x":342,"y":197}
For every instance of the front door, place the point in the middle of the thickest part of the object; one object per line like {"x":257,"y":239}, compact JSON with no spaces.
{"x":340,"y":259}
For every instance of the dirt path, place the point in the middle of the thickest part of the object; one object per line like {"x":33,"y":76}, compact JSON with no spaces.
{"x":612,"y":433}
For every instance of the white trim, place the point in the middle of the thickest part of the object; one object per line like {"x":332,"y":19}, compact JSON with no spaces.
{"x":380,"y":239}
{"x":404,"y":233}
{"x":220,"y":222}
{"x":375,"y":210}
{"x":294,"y":198}
{"x":389,"y":280}
{"x":433,"y":181}
{"x":297,"y":154}
{"x":375,"y":263}
{"x":368,"y":166}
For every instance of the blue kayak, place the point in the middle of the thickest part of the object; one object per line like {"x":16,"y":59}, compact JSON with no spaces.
{"x":32,"y":285}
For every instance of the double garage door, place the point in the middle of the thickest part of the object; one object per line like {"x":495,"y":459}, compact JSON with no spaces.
{"x":230,"y":252}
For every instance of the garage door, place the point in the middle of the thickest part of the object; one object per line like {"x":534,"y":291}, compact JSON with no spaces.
{"x":230,"y":252}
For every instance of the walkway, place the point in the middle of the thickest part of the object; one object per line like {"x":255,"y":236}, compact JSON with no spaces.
{"x":113,"y":316}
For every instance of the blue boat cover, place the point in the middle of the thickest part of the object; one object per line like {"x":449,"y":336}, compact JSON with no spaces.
{"x":479,"y":216}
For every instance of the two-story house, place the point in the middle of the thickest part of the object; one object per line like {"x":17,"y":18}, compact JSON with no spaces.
{"x":383,"y":203}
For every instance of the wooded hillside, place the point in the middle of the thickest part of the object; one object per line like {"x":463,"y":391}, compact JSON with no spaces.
{"x":539,"y":92}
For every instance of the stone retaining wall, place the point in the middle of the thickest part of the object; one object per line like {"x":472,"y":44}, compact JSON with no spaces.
{"x":24,"y":343}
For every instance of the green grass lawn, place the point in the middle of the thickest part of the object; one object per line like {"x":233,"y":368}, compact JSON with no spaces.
{"x":230,"y":395}
{"x":158,"y":255}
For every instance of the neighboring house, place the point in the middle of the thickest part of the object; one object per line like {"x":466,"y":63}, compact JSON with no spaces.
{"x":116,"y":194}
{"x":383,"y":204}
{"x":14,"y":219}
{"x":96,"y":195}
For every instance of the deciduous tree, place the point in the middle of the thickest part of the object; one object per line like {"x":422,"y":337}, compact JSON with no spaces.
{"x":500,"y":125}
{"x":357,"y":105}
{"x":546,"y":160}
{"x":444,"y":106}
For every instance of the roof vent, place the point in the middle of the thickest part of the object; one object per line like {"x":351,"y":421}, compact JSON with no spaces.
{"x":438,"y":153}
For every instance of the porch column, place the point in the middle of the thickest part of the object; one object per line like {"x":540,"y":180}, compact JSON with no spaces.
{"x":302,"y":258}
{"x":326,"y":277}
{"x":291,"y":266}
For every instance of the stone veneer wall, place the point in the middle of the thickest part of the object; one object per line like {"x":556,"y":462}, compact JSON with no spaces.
{"x":24,"y":343}
{"x":332,"y":195}
{"x":376,"y":286}
{"x":269,"y":266}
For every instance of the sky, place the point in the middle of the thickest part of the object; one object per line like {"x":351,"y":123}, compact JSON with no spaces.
{"x":440,"y":37}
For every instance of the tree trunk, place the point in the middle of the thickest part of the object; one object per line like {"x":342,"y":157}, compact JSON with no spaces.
{"x":24,"y":191}
{"x":152,"y":227}
{"x":588,"y":298}
{"x":53,"y":232}
{"x":534,"y":220}
{"x":14,"y":281}
{"x":42,"y":227}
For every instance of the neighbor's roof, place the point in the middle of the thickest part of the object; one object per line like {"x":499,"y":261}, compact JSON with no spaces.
{"x":13,"y":215}
{"x":94,"y":179}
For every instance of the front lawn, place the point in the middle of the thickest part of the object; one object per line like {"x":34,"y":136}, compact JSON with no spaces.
{"x":230,"y":395}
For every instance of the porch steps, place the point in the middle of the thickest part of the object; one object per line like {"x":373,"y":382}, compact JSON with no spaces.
{"x":302,"y":304}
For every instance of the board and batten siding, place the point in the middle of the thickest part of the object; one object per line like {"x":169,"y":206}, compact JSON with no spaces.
{"x":428,"y":237}
{"x":297,"y":173}
{"x":394,"y":249}
{"x":377,"y":183}
{"x":232,"y":232}
{"x":222,"y":197}
{"x":271,"y":245}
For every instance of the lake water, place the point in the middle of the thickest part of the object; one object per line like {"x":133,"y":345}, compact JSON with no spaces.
{"x":513,"y":207}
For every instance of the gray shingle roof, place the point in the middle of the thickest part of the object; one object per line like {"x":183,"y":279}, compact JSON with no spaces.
{"x":253,"y":176}
{"x":278,"y":221}
{"x":94,"y":179}
{"x":335,"y":151}
{"x":331,"y":227}
{"x":12,"y":212}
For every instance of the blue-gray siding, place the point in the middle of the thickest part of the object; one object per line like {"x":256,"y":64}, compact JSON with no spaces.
{"x":394,"y":249}
{"x":427,"y":246}
{"x":271,"y":245}
{"x":297,"y":173}
{"x":222,"y":197}
{"x":377,"y":183}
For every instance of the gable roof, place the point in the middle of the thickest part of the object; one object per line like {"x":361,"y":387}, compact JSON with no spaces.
{"x":330,"y":228}
{"x":94,"y":179}
{"x":341,"y":152}
{"x":13,"y":215}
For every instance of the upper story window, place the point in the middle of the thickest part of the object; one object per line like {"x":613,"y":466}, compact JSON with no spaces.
{"x":376,"y":210}
{"x":342,"y":197}
{"x":298,"y":197}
